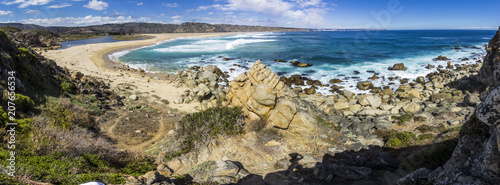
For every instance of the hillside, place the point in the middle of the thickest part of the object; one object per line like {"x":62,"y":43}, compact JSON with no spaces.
{"x":133,"y":28}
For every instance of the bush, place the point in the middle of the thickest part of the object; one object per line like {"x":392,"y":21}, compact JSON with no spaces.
{"x":200,"y":127}
{"x":403,"y":118}
{"x":64,"y":114}
{"x":395,"y":139}
{"x":24,"y":103}
{"x":68,"y":87}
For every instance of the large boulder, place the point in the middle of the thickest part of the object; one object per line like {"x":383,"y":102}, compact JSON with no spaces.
{"x":263,"y":100}
{"x":398,"y":67}
{"x":220,"y":172}
{"x":412,"y":108}
{"x":370,"y":100}
{"x":283,"y":114}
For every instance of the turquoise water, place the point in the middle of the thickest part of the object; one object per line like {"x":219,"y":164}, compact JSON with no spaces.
{"x":333,"y":54}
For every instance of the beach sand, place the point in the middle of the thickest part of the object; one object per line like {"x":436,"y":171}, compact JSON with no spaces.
{"x":91,"y":59}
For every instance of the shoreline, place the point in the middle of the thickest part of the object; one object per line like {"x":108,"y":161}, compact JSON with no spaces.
{"x":90,"y":60}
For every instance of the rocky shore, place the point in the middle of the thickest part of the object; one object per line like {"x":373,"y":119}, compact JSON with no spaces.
{"x":314,"y":129}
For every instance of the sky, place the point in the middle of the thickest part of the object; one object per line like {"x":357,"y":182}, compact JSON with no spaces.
{"x":344,"y":14}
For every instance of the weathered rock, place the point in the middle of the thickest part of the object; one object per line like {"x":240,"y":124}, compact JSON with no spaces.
{"x":77,"y":75}
{"x":412,"y":108}
{"x":398,"y":67}
{"x":374,"y":77}
{"x":421,"y":80}
{"x":263,"y":100}
{"x":283,"y":114}
{"x":341,"y":106}
{"x":440,"y":57}
{"x":472,"y":100}
{"x":311,"y":90}
{"x":335,"y":80}
{"x":221,"y":172}
{"x":371,"y":100}
{"x":423,"y":116}
{"x":386,"y":92}
{"x":300,"y":64}
{"x":364,"y":85}
{"x":133,"y":97}
{"x":489,"y":110}
{"x":280,"y":60}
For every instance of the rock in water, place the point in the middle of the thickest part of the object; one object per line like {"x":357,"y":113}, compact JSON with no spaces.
{"x":335,"y":80}
{"x":300,"y":64}
{"x":364,"y":85}
{"x":398,"y":67}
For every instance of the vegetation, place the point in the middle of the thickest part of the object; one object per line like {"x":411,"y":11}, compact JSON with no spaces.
{"x":395,"y":139}
{"x":57,"y":139}
{"x":403,"y":118}
{"x":72,"y":37}
{"x":24,"y":103}
{"x":200,"y":127}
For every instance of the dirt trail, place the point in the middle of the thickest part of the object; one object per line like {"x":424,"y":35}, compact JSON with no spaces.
{"x":162,"y":127}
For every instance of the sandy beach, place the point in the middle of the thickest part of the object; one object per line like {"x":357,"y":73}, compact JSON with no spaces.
{"x":91,"y":60}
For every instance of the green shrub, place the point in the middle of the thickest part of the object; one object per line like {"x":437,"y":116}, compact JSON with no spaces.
{"x":403,"y":118}
{"x":395,"y":139}
{"x":68,"y":87}
{"x":64,"y":114}
{"x":137,"y":168}
{"x":24,"y":103}
{"x":3,"y":118}
{"x":200,"y":127}
{"x":58,"y":168}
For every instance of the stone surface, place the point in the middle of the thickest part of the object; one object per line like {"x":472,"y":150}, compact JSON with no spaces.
{"x":398,"y":67}
{"x":283,"y":114}
{"x":364,"y":85}
{"x":412,"y":108}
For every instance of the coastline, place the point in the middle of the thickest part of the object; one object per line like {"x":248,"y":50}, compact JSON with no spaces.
{"x":90,"y":60}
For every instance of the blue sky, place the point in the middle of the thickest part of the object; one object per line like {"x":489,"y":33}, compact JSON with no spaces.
{"x":378,"y":14}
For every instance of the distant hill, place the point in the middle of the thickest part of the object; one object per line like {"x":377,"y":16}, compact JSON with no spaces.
{"x":131,"y":28}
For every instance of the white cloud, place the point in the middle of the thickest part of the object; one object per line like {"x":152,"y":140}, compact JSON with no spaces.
{"x":307,"y":3}
{"x":83,"y":21}
{"x":210,"y":13}
{"x":96,"y":5}
{"x":5,"y":12}
{"x":176,"y":17}
{"x":140,"y":4}
{"x":307,"y":12}
{"x":170,"y":5}
{"x":59,"y":5}
{"x":176,"y":22}
{"x":26,"y":3}
{"x":33,"y":12}
{"x":208,"y":6}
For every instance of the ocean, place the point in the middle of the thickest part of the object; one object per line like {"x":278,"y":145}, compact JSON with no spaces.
{"x":351,"y":56}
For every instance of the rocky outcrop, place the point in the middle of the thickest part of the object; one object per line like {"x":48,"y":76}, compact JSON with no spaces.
{"x":256,"y":91}
{"x":489,"y":74}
